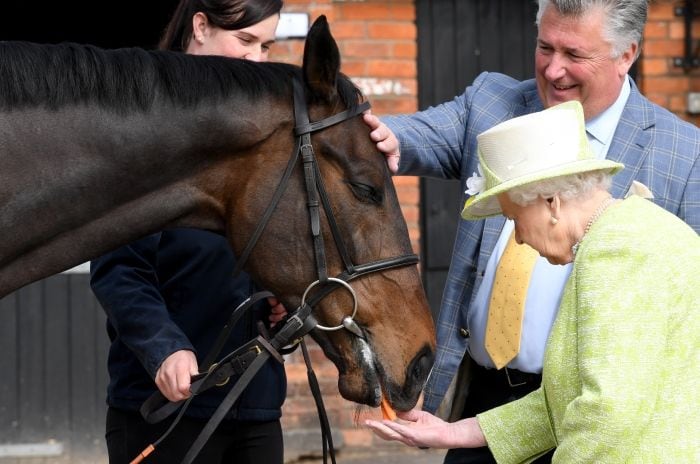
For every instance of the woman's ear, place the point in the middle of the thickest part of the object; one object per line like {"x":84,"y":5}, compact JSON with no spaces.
{"x":554,"y":204}
{"x":200,"y":24}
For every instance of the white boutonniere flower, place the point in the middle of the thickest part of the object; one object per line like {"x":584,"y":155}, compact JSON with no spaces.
{"x":476,"y":183}
{"x":640,"y":190}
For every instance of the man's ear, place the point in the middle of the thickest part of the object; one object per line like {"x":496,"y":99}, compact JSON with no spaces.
{"x":627,"y":59}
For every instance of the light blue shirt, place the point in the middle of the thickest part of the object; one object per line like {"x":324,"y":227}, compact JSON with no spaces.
{"x":547,"y":281}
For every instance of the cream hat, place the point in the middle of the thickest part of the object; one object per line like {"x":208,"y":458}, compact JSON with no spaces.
{"x":538,"y":146}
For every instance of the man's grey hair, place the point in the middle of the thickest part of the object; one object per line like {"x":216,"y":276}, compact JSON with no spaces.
{"x":625,"y":19}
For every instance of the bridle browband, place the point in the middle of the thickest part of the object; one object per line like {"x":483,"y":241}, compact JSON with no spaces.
{"x":249,"y":358}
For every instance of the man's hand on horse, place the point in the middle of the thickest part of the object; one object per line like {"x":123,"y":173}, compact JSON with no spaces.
{"x":173,"y":375}
{"x":385,"y":139}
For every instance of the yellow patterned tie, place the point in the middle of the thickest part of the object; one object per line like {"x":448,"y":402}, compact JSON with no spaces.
{"x":507,"y":304}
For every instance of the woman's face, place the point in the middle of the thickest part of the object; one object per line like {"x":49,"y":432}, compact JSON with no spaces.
{"x":250,"y":43}
{"x":533,"y":226}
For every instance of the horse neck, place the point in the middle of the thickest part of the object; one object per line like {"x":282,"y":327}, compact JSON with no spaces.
{"x":90,"y":180}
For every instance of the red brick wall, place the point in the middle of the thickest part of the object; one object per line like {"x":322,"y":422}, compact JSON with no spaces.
{"x":377,"y":41}
{"x":661,"y":81}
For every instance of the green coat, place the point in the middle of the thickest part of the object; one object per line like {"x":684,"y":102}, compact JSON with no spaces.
{"x":621,"y":376}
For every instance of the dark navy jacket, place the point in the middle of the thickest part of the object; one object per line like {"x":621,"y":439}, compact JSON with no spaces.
{"x":170,"y":291}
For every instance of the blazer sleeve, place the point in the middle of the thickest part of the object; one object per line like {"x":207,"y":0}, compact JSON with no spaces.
{"x":125,"y":282}
{"x":432,"y":141}
{"x":520,"y":431}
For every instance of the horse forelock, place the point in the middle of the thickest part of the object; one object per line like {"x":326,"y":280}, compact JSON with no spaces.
{"x":348,"y":92}
{"x":129,"y":78}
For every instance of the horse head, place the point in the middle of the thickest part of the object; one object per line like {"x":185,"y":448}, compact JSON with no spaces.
{"x":392,"y":352}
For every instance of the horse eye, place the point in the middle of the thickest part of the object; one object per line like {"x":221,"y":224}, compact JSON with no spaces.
{"x":366,"y":193}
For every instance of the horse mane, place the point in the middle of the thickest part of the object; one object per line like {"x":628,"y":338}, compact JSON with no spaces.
{"x":125,"y":79}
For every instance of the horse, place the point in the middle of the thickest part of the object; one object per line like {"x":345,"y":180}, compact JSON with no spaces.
{"x":101,"y":147}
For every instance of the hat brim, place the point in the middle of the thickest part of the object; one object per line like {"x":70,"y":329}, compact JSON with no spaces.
{"x":486,"y":203}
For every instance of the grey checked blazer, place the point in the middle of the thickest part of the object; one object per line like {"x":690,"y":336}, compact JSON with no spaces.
{"x":658,"y":149}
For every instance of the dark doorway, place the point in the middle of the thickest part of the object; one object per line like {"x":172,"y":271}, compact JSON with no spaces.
{"x":458,"y":39}
{"x":126,"y":23}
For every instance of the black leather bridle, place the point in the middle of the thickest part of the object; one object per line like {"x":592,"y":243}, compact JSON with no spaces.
{"x":249,"y":358}
{"x":317,"y":197}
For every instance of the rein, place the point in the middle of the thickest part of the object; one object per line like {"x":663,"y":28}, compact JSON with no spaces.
{"x":246,"y":360}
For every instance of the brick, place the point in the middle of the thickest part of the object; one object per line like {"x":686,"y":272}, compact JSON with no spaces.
{"x":364,"y":11}
{"x":406,"y":181}
{"x":327,"y":10}
{"x":354,"y":67}
{"x":665,"y":85}
{"x":393,"y":30}
{"x":676,"y":30}
{"x":656,"y":30}
{"x":403,"y":12}
{"x":655,"y":66}
{"x":391,"y":68}
{"x":366,"y":49}
{"x":404,"y":49}
{"x":663,"y":48}
{"x":394,"y":106}
{"x":411,"y":214}
{"x":409,"y":195}
{"x":662,"y":10}
{"x":349,"y":30}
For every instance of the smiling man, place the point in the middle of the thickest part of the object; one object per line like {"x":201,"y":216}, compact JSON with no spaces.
{"x":585,"y":49}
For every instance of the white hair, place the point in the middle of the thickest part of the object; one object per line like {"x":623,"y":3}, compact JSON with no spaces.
{"x":581,"y":186}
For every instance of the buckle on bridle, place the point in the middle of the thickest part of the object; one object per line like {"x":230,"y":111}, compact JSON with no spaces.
{"x":211,"y":369}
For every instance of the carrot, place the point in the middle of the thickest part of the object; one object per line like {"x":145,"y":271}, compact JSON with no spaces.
{"x":388,"y":412}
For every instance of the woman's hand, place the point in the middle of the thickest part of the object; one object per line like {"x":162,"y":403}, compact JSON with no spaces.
{"x":174,"y":374}
{"x":277,"y":311}
{"x":422,"y":429}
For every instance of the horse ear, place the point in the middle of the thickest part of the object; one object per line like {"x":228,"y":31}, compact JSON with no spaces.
{"x":321,"y":61}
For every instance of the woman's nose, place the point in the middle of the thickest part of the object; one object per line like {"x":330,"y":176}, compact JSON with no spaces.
{"x":255,"y":54}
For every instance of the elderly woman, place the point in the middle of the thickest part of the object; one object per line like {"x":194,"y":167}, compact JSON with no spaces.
{"x":621,"y":377}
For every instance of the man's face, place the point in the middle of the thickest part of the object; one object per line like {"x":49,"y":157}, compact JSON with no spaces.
{"x":573,"y":62}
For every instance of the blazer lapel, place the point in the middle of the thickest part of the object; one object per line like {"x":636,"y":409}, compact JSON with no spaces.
{"x":631,"y":140}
